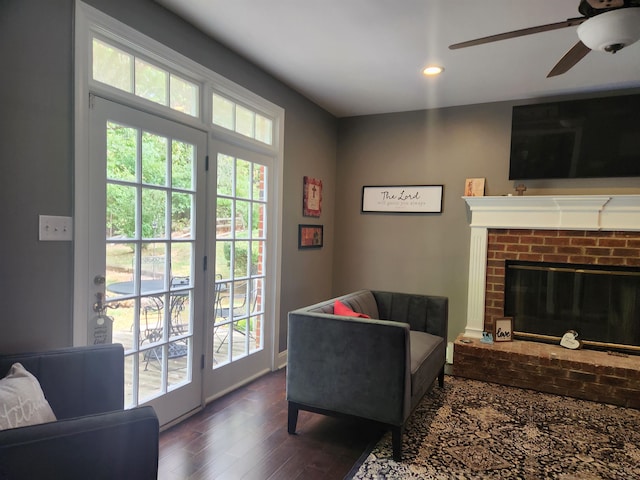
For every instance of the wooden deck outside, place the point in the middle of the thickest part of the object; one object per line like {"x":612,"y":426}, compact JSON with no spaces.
{"x":150,"y":368}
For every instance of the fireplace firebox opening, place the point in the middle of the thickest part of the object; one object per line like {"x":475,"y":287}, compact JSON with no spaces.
{"x":601,"y":303}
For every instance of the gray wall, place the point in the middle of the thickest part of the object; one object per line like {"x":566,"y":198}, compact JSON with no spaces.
{"x":36,"y":160}
{"x":427,"y":253}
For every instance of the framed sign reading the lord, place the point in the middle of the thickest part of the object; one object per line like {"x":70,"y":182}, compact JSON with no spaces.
{"x":402,"y":198}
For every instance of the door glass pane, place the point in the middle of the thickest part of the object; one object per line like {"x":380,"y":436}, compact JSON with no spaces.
{"x":243,"y":219}
{"x":120,"y":260}
{"x":154,"y":205}
{"x":153,"y":259}
{"x":121,"y":211}
{"x":224,"y":216}
{"x":259,"y":182}
{"x":179,"y":373}
{"x":154,"y":159}
{"x":180,"y":311}
{"x":130,"y":393}
{"x":181,"y":210}
{"x":182,"y":164}
{"x":122,"y":152}
{"x":125,"y":322}
{"x":226,"y":174}
{"x":243,"y":179}
{"x":257,"y":226}
{"x":150,"y":373}
{"x":241,"y":251}
{"x":181,"y":260}
{"x":255,"y":330}
{"x":223,"y":260}
{"x":257,"y":257}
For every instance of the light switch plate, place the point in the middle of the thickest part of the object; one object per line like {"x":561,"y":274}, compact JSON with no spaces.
{"x":53,"y":228}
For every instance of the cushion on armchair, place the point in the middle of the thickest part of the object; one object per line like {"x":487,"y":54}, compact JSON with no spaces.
{"x":22,"y":401}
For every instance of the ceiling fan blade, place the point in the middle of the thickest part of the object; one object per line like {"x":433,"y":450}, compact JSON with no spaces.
{"x":573,"y":56}
{"x":571,"y":22}
{"x":600,"y":4}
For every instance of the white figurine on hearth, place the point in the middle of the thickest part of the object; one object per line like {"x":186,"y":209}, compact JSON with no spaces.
{"x":570,"y":340}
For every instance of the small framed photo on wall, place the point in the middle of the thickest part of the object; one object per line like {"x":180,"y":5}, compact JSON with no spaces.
{"x":310,"y":236}
{"x":503,"y":330}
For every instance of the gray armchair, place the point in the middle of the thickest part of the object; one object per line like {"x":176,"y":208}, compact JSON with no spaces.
{"x":93,"y":437}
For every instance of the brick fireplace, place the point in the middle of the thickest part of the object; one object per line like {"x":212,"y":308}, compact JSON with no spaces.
{"x":593,"y":230}
{"x":617,"y":248}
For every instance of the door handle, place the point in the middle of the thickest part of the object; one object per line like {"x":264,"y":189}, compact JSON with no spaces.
{"x":100,"y":307}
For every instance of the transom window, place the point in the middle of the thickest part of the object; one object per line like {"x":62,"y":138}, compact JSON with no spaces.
{"x":132,"y":74}
{"x":228,"y":114}
{"x":128,"y":72}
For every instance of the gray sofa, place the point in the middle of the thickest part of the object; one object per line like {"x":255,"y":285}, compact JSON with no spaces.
{"x":93,"y":437}
{"x":377,"y":369}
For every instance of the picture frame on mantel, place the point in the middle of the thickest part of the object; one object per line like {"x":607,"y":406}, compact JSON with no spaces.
{"x":503,"y":331}
{"x":474,"y":187}
{"x":402,"y":199}
{"x":312,"y":197}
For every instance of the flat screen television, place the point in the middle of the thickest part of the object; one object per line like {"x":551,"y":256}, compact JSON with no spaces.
{"x":597,"y":137}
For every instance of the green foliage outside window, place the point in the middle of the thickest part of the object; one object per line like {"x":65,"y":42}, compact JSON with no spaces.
{"x":157,"y":165}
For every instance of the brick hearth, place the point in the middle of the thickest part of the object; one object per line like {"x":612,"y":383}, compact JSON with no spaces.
{"x":587,"y":374}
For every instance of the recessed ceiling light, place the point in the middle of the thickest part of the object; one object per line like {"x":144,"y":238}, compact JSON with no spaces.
{"x":433,"y":70}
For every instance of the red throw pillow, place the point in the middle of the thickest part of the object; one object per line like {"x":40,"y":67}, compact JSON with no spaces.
{"x":340,"y":308}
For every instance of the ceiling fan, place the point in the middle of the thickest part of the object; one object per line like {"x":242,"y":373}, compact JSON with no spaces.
{"x":605,"y":25}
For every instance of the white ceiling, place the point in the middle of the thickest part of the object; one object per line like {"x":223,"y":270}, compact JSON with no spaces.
{"x":360,"y":57}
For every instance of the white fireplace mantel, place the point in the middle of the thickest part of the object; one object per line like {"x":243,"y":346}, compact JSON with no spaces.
{"x":561,"y":212}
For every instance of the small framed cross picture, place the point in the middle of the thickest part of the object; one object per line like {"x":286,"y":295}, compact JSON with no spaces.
{"x":504,"y":330}
{"x":312,"y":197}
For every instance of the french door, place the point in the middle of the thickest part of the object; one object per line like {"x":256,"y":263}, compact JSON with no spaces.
{"x":147,"y":219}
{"x":240,"y":215}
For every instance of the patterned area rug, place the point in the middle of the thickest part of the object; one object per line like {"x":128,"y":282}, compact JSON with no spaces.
{"x":478,"y":430}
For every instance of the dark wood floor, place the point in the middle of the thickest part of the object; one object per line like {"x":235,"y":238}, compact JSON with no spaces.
{"x":243,"y":435}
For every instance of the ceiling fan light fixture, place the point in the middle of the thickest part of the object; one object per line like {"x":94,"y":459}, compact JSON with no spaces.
{"x":431,"y":70}
{"x":611,"y":31}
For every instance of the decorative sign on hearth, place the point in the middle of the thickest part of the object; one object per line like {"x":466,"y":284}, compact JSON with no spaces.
{"x":570,"y":340}
{"x":503,"y":329}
